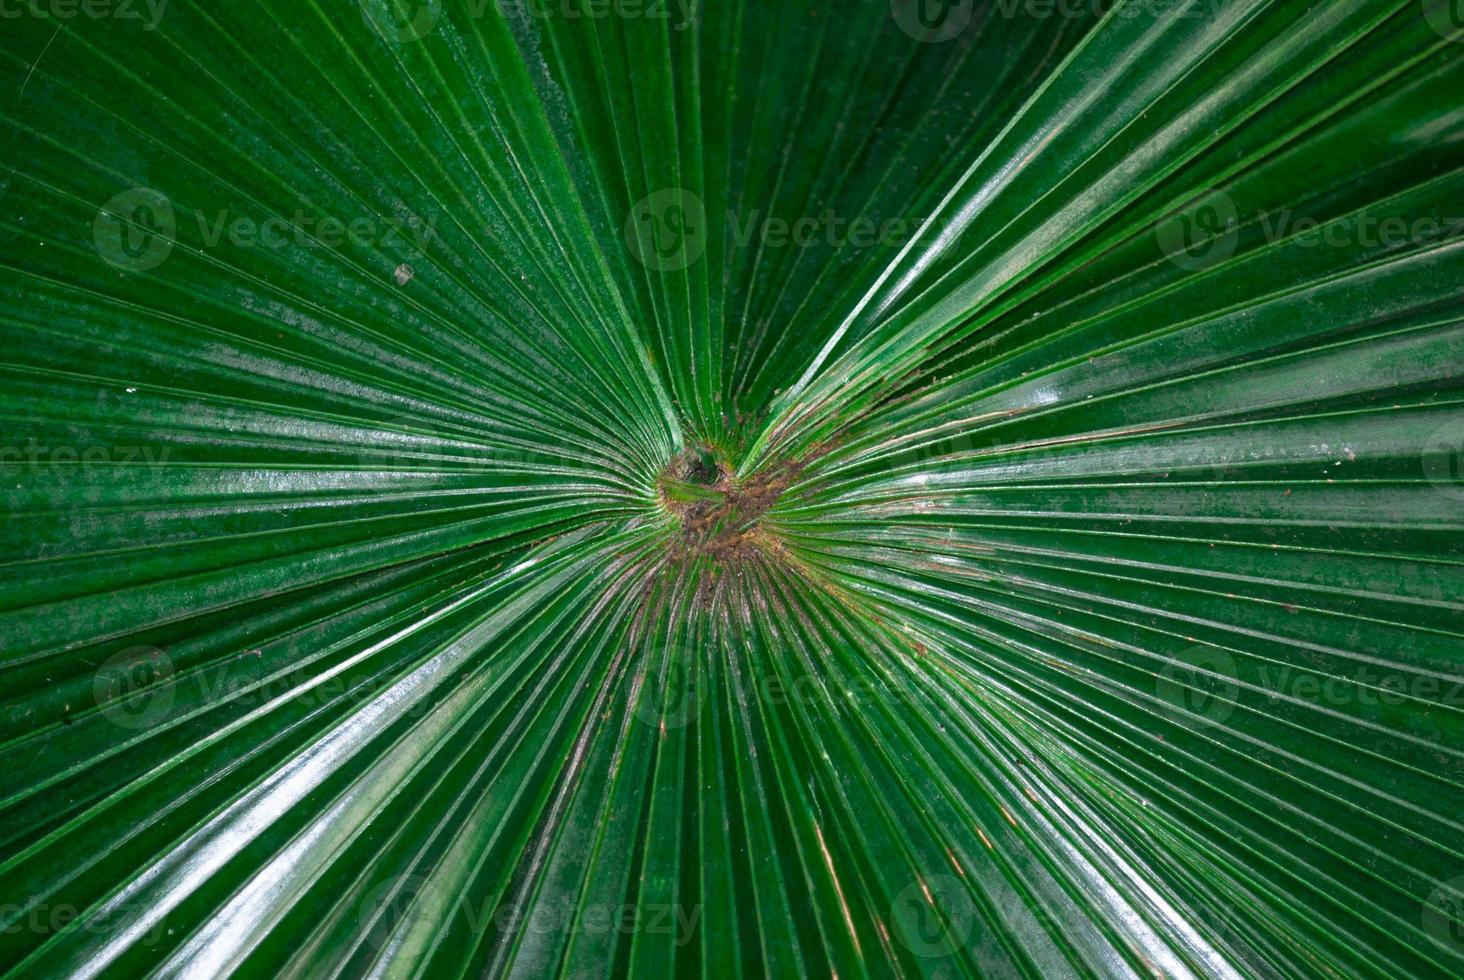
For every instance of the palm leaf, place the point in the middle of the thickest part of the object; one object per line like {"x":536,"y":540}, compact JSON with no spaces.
{"x":732,"y":489}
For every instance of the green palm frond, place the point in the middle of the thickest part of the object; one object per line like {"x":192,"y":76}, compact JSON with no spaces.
{"x":658,"y":488}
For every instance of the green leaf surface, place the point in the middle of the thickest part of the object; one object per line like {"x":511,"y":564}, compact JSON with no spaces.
{"x":732,"y":489}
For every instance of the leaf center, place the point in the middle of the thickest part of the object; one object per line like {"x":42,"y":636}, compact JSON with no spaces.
{"x":718,"y":514}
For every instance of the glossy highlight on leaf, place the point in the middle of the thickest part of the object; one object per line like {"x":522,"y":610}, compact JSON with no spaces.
{"x":876,"y":488}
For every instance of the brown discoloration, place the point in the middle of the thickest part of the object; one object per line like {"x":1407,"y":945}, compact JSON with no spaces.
{"x":720,"y":540}
{"x":723,"y":525}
